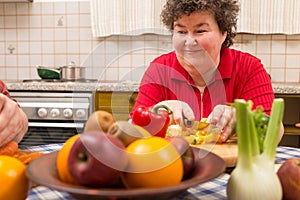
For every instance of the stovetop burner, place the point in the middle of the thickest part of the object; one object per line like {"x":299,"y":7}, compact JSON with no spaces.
{"x":59,"y":80}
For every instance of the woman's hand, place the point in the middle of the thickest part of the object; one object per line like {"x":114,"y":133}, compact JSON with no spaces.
{"x":224,"y":117}
{"x":182,"y":112}
{"x":13,"y":121}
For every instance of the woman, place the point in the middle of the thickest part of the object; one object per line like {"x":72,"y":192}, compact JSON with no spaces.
{"x":203,"y":74}
{"x":13,"y":121}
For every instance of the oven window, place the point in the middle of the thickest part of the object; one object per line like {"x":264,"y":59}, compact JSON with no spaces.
{"x":41,"y":136}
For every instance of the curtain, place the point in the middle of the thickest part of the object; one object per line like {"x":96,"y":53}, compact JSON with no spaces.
{"x":126,"y":17}
{"x":269,"y":16}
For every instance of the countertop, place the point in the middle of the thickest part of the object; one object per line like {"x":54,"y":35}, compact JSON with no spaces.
{"x":131,"y":86}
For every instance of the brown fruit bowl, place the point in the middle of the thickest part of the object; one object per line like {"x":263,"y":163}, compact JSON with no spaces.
{"x":42,"y":171}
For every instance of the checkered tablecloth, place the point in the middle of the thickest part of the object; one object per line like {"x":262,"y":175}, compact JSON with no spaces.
{"x":214,"y":189}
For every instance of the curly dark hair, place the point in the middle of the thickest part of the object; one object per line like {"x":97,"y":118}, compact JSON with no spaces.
{"x":224,"y":11}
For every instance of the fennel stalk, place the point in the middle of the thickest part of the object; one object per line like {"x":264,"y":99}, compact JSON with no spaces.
{"x":254,"y":176}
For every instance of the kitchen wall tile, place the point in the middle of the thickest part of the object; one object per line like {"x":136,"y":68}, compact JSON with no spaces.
{"x":23,"y":35}
{"x":278,"y":46}
{"x":47,"y":8}
{"x":10,"y":35}
{"x":47,"y":35}
{"x":72,"y":21}
{"x":10,"y":22}
{"x":25,"y":73}
{"x":48,"y":21}
{"x":48,"y":47}
{"x":2,"y":72}
{"x":49,"y":60}
{"x":111,"y":73}
{"x":36,"y":60}
{"x":35,"y":47}
{"x":22,"y":8}
{"x":23,"y":61}
{"x":35,"y":34}
{"x":85,"y":47}
{"x":60,"y":8}
{"x":292,"y":75}
{"x":10,"y":9}
{"x":84,"y":8}
{"x":278,"y":61}
{"x":293,"y":61}
{"x":2,"y":51}
{"x":23,"y":48}
{"x":278,"y":75}
{"x":22,"y":21}
{"x":12,"y":72}
{"x":72,"y":34}
{"x":293,"y":47}
{"x":60,"y":34}
{"x":35,"y":9}
{"x":72,"y":7}
{"x":263,"y":46}
{"x":84,"y":20}
{"x":35,"y":21}
{"x":73,"y":48}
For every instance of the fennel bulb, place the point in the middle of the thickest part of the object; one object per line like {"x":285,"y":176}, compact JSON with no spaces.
{"x":254,"y":176}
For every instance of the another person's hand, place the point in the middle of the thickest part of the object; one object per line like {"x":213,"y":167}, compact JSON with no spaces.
{"x":13,"y":121}
{"x":182,"y":112}
{"x":224,"y":117}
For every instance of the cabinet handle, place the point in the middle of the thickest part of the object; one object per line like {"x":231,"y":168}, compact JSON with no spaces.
{"x":131,"y":99}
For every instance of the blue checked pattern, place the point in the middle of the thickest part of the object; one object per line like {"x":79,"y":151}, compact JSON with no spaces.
{"x":212,"y":190}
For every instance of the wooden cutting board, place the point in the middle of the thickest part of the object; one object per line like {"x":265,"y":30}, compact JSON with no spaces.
{"x":227,"y":151}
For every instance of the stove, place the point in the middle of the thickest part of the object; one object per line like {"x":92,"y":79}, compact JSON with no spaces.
{"x":54,"y":116}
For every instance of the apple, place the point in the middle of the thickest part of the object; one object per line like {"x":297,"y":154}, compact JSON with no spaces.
{"x":96,"y":159}
{"x":186,"y":152}
{"x":289,"y":176}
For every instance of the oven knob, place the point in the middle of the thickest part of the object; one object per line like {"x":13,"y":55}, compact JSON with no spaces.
{"x":68,"y":112}
{"x":80,"y":113}
{"x":54,"y":112}
{"x":42,"y":112}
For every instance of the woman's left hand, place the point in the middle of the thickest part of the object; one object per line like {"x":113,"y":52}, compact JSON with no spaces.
{"x":224,"y":117}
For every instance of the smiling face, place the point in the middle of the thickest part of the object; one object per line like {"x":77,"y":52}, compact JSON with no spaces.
{"x":197,"y":40}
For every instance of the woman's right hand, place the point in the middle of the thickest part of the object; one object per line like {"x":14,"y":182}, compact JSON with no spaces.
{"x":182,"y":112}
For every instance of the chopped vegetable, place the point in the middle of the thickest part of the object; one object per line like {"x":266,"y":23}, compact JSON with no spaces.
{"x":9,"y":148}
{"x":254,"y":176}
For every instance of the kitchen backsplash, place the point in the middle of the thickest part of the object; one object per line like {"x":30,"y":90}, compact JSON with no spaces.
{"x":55,"y":33}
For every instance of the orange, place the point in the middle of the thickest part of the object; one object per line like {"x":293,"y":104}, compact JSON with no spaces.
{"x":153,"y":162}
{"x":62,"y":161}
{"x":14,"y":183}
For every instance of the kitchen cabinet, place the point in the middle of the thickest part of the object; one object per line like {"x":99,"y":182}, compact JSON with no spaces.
{"x":291,"y":117}
{"x":118,"y":103}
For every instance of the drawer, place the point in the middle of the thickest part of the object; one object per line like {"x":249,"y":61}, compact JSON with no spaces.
{"x":119,"y":104}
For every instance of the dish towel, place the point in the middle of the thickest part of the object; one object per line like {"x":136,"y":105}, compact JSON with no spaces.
{"x":126,"y":17}
{"x":269,"y":17}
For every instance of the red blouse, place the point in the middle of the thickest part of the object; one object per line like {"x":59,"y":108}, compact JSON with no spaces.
{"x":241,"y":76}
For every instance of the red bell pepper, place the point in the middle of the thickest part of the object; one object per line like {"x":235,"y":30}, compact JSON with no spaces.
{"x":155,"y":120}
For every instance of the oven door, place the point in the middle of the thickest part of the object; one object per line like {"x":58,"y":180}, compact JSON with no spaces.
{"x":41,"y":133}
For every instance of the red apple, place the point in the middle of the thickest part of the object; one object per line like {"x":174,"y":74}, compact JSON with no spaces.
{"x":289,"y":176}
{"x":97,"y":159}
{"x":186,"y":152}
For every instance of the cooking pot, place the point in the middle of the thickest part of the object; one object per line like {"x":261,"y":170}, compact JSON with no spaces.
{"x":72,"y":72}
{"x":48,"y":72}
